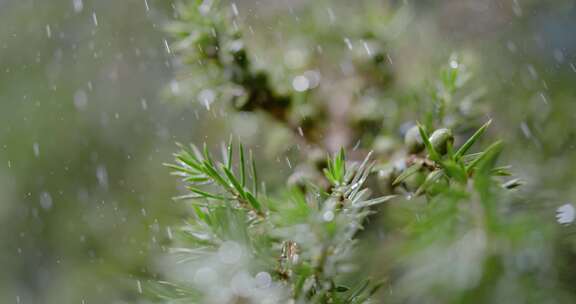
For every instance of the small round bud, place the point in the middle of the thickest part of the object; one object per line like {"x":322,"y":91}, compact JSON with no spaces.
{"x":436,"y":186}
{"x":440,"y":140}
{"x":385,"y":178}
{"x":413,"y":140}
{"x":384,"y":145}
{"x":414,"y":181}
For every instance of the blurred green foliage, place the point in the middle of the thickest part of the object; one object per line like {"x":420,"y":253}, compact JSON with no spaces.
{"x":84,"y":131}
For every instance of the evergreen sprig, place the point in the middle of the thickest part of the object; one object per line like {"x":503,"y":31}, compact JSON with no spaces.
{"x":199,"y":170}
{"x":457,"y":236}
{"x":301,"y":243}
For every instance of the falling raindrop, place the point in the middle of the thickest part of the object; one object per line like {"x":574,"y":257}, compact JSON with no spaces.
{"x":543,"y":97}
{"x":36,"y":149}
{"x":511,"y":46}
{"x":367,"y":48}
{"x":80,"y":100}
{"x":235,"y":9}
{"x":331,"y":15}
{"x":169,"y":232}
{"x":146,"y":5}
{"x":46,"y":200}
{"x":206,"y":97}
{"x":565,"y":214}
{"x":389,"y":58}
{"x":102,"y":176}
{"x":517,"y":9}
{"x":559,"y":56}
{"x":525,"y":130}
{"x":532,"y":71}
{"x":348,"y":43}
{"x":94,"y":19}
{"x":139,"y":286}
{"x":48,"y":31}
{"x":167,"y":46}
{"x":175,"y":87}
{"x":78,"y":5}
{"x":300,"y":131}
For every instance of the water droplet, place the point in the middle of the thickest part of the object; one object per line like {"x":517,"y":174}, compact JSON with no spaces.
{"x":295,"y":59}
{"x":78,"y":5}
{"x":102,"y":176}
{"x":526,"y":130}
{"x":167,"y":46}
{"x":331,"y":15}
{"x":300,"y":83}
{"x":205,"y":276}
{"x":300,"y":131}
{"x":36,"y":149}
{"x":175,"y":87}
{"x":328,"y":216}
{"x":230,"y":252}
{"x":348,"y":43}
{"x":517,"y":9}
{"x":146,"y":5}
{"x":454,"y":64}
{"x":389,"y":58}
{"x":46,"y":200}
{"x":206,"y":97}
{"x":169,"y":232}
{"x":559,"y":55}
{"x":242,"y":284}
{"x":263,"y":280}
{"x":367,"y":48}
{"x":532,"y":71}
{"x":511,"y":46}
{"x":144,"y":104}
{"x":565,"y":214}
{"x":94,"y":19}
{"x":543,"y":97}
{"x":313,"y":78}
{"x":80,"y":100}
{"x":235,"y":9}
{"x":139,"y":286}
{"x":48,"y":31}
{"x":357,"y":145}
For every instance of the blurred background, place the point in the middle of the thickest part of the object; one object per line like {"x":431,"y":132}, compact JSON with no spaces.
{"x":87,"y":118}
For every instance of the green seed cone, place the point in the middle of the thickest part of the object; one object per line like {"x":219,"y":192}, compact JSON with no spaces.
{"x":413,"y":140}
{"x":440,"y":140}
{"x":414,"y":181}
